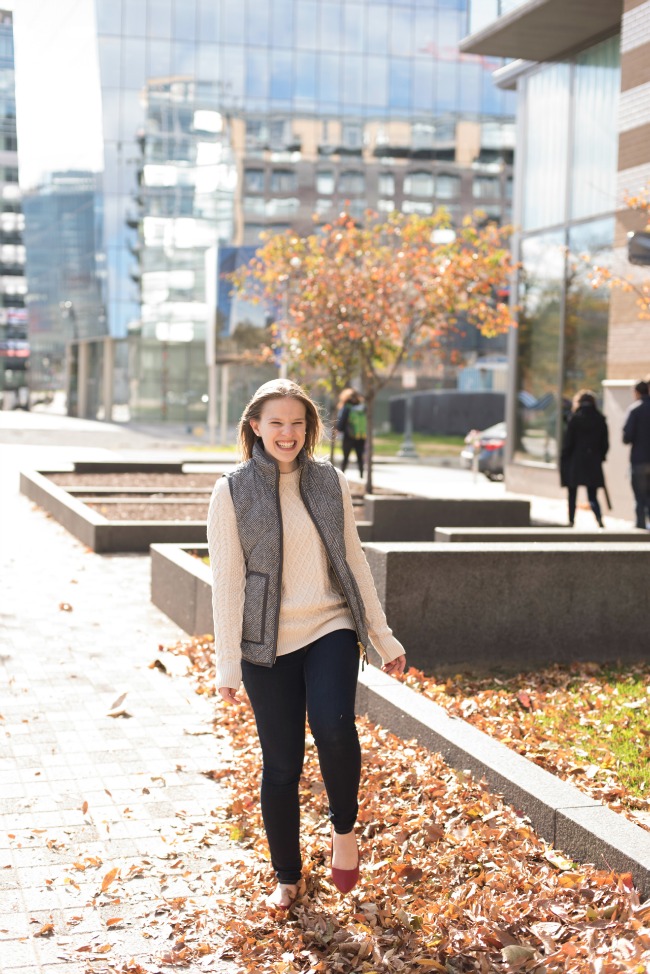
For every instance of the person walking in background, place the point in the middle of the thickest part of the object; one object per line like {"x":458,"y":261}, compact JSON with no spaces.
{"x":636,"y":432}
{"x":352,"y":423}
{"x":586,"y":442}
{"x":294,"y":605}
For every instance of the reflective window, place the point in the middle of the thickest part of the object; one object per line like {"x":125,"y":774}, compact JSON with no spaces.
{"x":306,"y":24}
{"x":234,"y":70}
{"x":160,"y":56}
{"x":329,"y":79}
{"x":305,"y":81}
{"x":282,"y":24}
{"x":109,"y":60}
{"x":281,"y":75}
{"x":183,"y":58}
{"x":232,"y":21}
{"x":324,"y":181}
{"x":587,"y":308}
{"x":386,"y":184}
{"x":257,"y":67}
{"x":486,"y":187}
{"x":159,"y":20}
{"x":283,"y":181}
{"x":135,"y":19}
{"x":258,"y":23}
{"x":109,"y":17}
{"x":254,"y":180}
{"x":351,"y":182}
{"x":376,"y":93}
{"x":330,"y":26}
{"x":545,"y":145}
{"x":208,"y":21}
{"x":447,"y":186}
{"x":594,"y":138}
{"x":352,"y":135}
{"x":254,"y":204}
{"x":385,"y":206}
{"x":418,"y":184}
{"x":399,"y":90}
{"x":423,"y":85}
{"x":538,"y":347}
{"x":184,"y":22}
{"x":377,"y":28}
{"x":352,"y":80}
{"x":133,"y":62}
{"x":401,"y":32}
{"x":425,"y":32}
{"x":353,"y":18}
{"x":358,"y":209}
{"x":417,"y":206}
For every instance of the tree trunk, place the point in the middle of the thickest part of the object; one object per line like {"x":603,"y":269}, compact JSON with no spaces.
{"x":370,"y":409}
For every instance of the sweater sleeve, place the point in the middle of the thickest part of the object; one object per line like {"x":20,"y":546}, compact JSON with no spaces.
{"x":228,"y":585}
{"x":381,"y":635}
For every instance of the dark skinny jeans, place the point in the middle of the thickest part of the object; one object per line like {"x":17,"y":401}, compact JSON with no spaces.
{"x":592,"y":494}
{"x":359,"y":446}
{"x":319,"y":681}
{"x":641,"y":488}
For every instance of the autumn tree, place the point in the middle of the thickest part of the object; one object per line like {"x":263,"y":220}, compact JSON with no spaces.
{"x":636,"y":282}
{"x":359,"y":300}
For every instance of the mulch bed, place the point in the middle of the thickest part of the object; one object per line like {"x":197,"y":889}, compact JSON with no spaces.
{"x":187,"y":507}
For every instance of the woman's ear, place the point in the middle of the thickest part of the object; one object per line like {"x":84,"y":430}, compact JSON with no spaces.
{"x":255,"y":426}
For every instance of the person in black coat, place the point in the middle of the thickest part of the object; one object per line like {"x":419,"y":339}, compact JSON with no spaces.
{"x":636,"y":432}
{"x":586,"y":442}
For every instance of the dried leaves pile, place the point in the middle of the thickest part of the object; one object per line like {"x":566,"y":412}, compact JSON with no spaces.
{"x":453,"y":880}
{"x":526,"y":710}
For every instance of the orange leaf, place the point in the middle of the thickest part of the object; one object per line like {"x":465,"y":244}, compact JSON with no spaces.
{"x":109,"y":878}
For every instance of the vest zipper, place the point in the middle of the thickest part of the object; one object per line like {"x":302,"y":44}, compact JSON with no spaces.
{"x":276,"y":635}
{"x":363,"y":651}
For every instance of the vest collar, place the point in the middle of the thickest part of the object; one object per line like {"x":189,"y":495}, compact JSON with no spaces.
{"x":268,"y":465}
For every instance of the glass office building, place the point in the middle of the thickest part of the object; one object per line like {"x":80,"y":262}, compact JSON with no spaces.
{"x":223,"y":118}
{"x":14,"y":345}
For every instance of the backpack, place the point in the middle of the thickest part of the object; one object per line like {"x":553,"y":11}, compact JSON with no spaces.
{"x":357,"y":424}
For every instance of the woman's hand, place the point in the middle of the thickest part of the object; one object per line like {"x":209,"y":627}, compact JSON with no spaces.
{"x":228,"y":695}
{"x":395,"y":667}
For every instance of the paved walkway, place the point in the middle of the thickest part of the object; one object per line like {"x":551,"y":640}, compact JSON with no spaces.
{"x":83,"y":793}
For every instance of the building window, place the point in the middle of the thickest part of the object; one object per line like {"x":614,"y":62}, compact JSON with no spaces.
{"x":325,"y":182}
{"x":254,"y":204}
{"x":352,"y":135}
{"x":283,"y":181}
{"x":386,"y":184}
{"x":254,"y":180}
{"x":418,"y":184}
{"x":422,"y":136}
{"x":417,"y":206}
{"x":447,"y":186}
{"x":351,"y":182}
{"x":386,"y":206}
{"x":486,"y":187}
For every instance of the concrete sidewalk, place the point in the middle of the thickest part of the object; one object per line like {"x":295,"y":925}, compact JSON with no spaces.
{"x":82,"y":793}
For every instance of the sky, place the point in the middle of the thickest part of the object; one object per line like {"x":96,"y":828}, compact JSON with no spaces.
{"x":58,"y":104}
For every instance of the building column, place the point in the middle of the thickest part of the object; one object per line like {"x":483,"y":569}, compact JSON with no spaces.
{"x":83,"y":378}
{"x":108,"y":365}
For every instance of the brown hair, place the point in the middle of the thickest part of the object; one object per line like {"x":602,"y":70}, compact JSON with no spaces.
{"x":349,"y":395}
{"x":582,"y":398}
{"x":278,"y":389}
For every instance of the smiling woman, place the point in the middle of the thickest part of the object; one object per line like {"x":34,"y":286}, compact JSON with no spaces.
{"x":294,"y":606}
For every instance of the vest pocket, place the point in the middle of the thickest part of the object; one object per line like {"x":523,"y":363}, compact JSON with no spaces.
{"x":255,"y":599}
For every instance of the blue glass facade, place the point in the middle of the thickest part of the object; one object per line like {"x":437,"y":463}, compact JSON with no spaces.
{"x":310,"y":104}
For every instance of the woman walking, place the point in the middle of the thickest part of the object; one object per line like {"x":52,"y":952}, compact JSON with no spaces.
{"x":351,"y":422}
{"x":586,"y":442}
{"x":294,"y":605}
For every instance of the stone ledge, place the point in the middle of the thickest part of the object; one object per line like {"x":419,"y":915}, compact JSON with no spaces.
{"x":564,"y":816}
{"x":534,"y":535}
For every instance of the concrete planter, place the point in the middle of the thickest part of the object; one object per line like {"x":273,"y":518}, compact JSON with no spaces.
{"x":532,"y":536}
{"x":92,"y":528}
{"x":416,"y":518}
{"x":563,"y":815}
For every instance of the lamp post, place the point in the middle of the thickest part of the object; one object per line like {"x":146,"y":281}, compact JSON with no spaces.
{"x":409,"y":382}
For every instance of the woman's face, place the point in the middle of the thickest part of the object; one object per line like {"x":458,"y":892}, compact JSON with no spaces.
{"x":283,"y":427}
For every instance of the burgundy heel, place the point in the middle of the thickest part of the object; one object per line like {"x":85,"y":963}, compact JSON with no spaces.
{"x":344,"y":879}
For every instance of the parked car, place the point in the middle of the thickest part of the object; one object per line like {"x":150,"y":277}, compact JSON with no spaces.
{"x":491,"y":447}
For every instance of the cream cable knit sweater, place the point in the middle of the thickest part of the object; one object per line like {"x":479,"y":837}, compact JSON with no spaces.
{"x":310,"y":606}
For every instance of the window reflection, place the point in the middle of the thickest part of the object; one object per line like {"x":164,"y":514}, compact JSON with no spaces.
{"x":352,"y":80}
{"x":538,"y":347}
{"x":232,"y":21}
{"x":257,"y":22}
{"x":254,"y":180}
{"x":305,"y":81}
{"x":401,"y":34}
{"x":306,"y":22}
{"x":587,"y":308}
{"x":324,"y":181}
{"x":281,"y":75}
{"x":282,"y":24}
{"x":377,"y":28}
{"x":351,"y":181}
{"x":159,"y":19}
{"x":330,"y":26}
{"x":546,"y":140}
{"x":447,"y":186}
{"x":353,"y":16}
{"x":284,"y":181}
{"x":386,"y":183}
{"x":329,"y":77}
{"x":399,"y":95}
{"x":486,"y":187}
{"x":418,"y":184}
{"x":376,"y":81}
{"x":109,"y":17}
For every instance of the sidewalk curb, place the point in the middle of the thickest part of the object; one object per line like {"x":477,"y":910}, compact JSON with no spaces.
{"x":566,"y":817}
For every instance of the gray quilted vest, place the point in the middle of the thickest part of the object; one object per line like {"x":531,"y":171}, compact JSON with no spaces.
{"x":255,"y":491}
